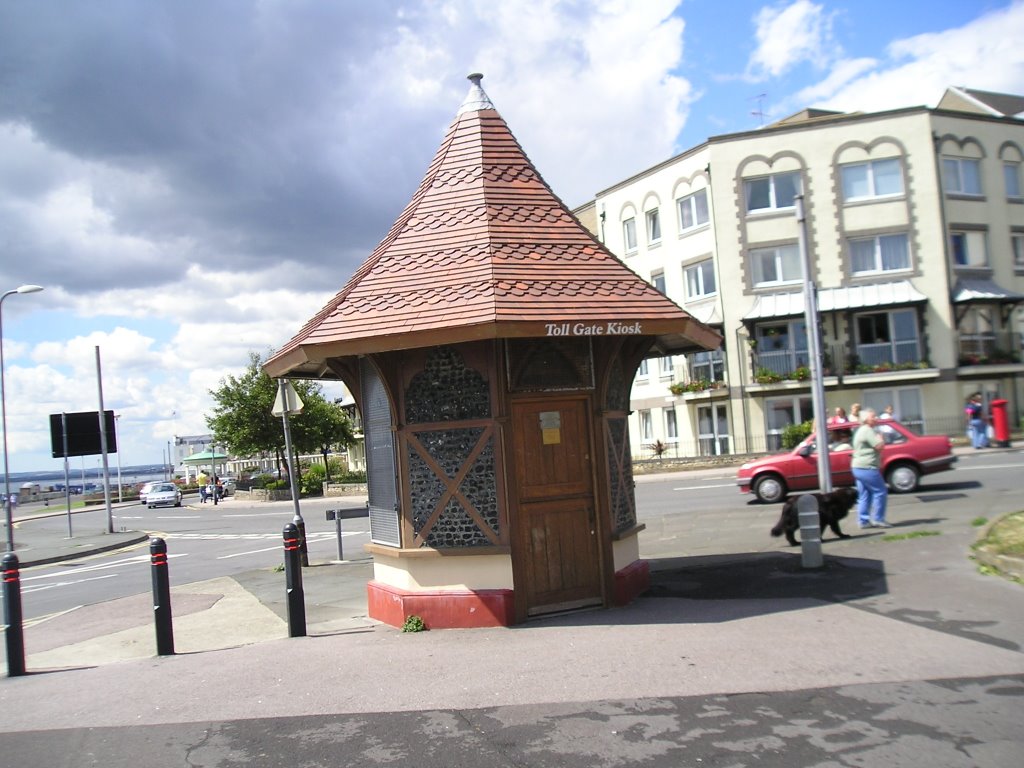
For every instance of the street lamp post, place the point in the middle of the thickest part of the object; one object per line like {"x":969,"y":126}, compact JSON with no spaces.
{"x":9,"y":513}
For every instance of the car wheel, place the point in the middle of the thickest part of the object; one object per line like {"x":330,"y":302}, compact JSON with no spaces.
{"x":149,"y":506}
{"x":903,"y":478}
{"x":770,"y":489}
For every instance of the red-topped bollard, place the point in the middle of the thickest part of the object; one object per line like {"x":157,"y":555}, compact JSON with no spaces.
{"x":293,"y":581}
{"x":161,"y":597}
{"x":14,"y":634}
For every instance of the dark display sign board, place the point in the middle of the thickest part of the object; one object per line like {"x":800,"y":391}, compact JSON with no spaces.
{"x":83,"y":434}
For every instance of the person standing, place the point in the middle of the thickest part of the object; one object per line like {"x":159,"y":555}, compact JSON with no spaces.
{"x":977,"y":428}
{"x":872,"y":493}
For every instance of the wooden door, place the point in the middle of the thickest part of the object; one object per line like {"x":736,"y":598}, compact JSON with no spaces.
{"x":557,"y":552}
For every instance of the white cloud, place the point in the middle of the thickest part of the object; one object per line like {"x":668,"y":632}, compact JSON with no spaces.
{"x":791,"y":35}
{"x":984,"y":54}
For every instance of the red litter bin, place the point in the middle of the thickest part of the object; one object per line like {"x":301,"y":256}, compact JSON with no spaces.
{"x":1000,"y":424}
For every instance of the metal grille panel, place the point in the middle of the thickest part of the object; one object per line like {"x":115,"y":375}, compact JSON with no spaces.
{"x":380,"y":459}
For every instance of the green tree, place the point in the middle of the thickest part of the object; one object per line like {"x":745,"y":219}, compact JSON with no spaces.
{"x":242,"y":420}
{"x":322,"y":426}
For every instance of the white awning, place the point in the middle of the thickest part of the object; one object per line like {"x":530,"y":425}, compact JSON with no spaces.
{"x":966,"y":291}
{"x":770,"y":305}
{"x":709,"y":314}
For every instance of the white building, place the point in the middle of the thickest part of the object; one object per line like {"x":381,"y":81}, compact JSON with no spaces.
{"x":915,"y":234}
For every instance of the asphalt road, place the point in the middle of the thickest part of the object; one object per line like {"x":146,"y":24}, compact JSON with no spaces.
{"x":206,"y":541}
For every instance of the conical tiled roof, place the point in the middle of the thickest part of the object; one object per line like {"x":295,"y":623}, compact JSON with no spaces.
{"x":484,"y":250}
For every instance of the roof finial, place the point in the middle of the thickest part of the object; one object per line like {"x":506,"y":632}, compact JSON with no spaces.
{"x":476,"y":99}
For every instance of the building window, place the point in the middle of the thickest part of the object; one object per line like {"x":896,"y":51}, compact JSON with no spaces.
{"x":781,"y":347}
{"x":653,"y":226}
{"x":642,"y":371}
{"x":658,"y":281}
{"x":883,"y":253}
{"x":977,"y":334}
{"x":877,"y":178}
{"x":771,"y":192}
{"x":693,"y":210}
{"x":968,"y":249}
{"x":775,"y":266}
{"x":1017,"y":244}
{"x":961,"y":176}
{"x":1011,"y":176}
{"x":782,"y":412}
{"x":646,"y":426}
{"x":713,"y":430}
{"x":700,"y":280}
{"x":666,"y":366}
{"x":671,"y":431}
{"x":707,"y":366}
{"x":905,"y":402}
{"x":629,"y":234}
{"x":887,"y":338}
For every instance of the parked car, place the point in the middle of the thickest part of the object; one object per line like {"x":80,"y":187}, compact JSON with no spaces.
{"x":905,"y":458}
{"x":163,"y":495}
{"x":144,"y":490}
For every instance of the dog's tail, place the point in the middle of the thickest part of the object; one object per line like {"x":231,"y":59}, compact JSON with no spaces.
{"x":779,"y":526}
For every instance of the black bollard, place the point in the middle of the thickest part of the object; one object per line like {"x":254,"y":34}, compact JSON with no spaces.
{"x":293,"y":582}
{"x":12,"y":616}
{"x":303,"y":551}
{"x":161,"y":597}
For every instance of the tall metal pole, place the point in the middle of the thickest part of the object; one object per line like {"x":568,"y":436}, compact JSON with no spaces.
{"x":103,"y":446}
{"x":814,"y":352}
{"x":9,"y":512}
{"x":67,"y":479}
{"x":117,"y":423}
{"x":299,"y":522}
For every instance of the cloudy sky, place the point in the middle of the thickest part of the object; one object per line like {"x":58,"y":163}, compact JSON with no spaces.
{"x":191,"y":180}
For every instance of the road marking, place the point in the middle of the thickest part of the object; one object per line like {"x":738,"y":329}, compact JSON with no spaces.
{"x":178,"y":517}
{"x":314,"y":538}
{"x":241,"y":536}
{"x":257,"y":514}
{"x":704,"y":487}
{"x":98,"y":567}
{"x":41,"y":587}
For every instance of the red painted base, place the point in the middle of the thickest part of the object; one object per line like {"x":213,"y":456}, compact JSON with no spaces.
{"x":632,"y":581}
{"x":441,"y":609}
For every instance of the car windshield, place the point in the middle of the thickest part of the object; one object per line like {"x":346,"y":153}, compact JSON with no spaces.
{"x":164,"y":487}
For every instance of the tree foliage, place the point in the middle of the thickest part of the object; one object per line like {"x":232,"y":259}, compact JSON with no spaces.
{"x":242,"y":420}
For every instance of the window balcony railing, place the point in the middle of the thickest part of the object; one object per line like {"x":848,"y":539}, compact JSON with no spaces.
{"x":886,"y":356}
{"x":993,"y":348}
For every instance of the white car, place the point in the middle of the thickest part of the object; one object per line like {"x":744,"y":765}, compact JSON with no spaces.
{"x":163,"y":495}
{"x":145,"y":489}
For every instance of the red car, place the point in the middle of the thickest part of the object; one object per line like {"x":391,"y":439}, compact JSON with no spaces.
{"x":905,"y":458}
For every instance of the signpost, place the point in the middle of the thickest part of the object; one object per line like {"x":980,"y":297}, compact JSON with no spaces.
{"x":288,"y":403}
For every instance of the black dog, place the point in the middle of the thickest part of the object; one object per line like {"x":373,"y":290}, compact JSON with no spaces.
{"x":832,"y":507}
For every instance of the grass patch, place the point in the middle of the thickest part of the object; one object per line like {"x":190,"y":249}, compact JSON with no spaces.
{"x":1005,"y":537}
{"x":979,"y":521}
{"x":908,"y":535}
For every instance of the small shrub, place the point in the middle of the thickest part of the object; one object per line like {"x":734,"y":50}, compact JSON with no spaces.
{"x":766,"y":376}
{"x":312,"y":482}
{"x":979,"y":521}
{"x":414,"y":623}
{"x":794,"y":434}
{"x":352,"y":477}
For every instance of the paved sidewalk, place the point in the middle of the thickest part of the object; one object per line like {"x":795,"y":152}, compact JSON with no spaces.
{"x":903,"y":641}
